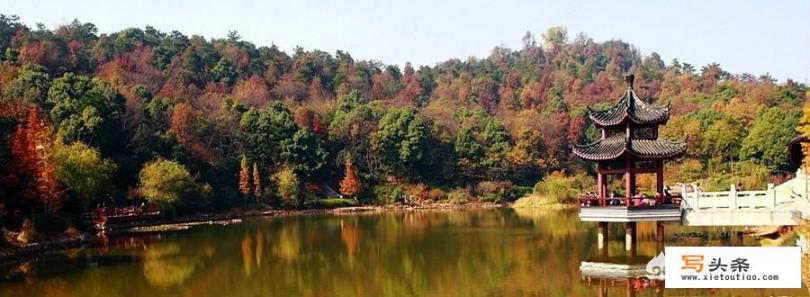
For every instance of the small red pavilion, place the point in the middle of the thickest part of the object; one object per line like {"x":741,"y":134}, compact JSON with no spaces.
{"x":629,"y":145}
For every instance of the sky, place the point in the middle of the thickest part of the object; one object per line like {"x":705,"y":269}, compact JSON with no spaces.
{"x":754,"y":37}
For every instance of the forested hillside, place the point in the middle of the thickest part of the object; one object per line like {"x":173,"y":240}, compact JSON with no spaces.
{"x":207,"y":124}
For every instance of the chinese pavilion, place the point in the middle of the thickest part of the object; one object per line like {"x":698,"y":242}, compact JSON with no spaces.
{"x":629,"y":144}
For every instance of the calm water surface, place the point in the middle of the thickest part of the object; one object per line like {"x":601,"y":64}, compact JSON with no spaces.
{"x":436,"y":253}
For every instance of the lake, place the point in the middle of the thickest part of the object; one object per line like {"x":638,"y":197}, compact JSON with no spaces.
{"x":499,"y":252}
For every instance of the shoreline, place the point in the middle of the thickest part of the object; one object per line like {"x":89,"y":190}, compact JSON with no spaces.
{"x":12,"y":255}
{"x":227,"y":218}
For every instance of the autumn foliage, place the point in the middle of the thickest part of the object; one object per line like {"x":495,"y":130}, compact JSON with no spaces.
{"x":244,"y":178}
{"x":200,"y":104}
{"x":350,"y":185}
{"x":31,"y":168}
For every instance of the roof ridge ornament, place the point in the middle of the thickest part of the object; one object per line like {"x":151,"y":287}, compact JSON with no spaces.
{"x":620,"y":147}
{"x":628,"y":95}
{"x":629,"y":79}
{"x":629,"y":106}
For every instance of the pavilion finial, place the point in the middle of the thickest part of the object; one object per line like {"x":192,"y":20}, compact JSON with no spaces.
{"x":629,"y":80}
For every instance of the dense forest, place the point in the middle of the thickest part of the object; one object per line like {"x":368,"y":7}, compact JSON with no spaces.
{"x":197,"y":124}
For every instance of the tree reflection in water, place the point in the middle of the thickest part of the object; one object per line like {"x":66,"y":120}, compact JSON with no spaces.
{"x":164,"y":265}
{"x":431,"y":253}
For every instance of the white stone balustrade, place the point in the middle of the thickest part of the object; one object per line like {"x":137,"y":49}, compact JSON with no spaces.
{"x":697,"y":200}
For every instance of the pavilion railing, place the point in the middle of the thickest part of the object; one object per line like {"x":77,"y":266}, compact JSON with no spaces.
{"x":633,"y":202}
{"x":732,"y":199}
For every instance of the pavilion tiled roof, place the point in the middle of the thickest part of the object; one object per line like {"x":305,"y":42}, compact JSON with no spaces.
{"x":616,"y":146}
{"x":631,"y":107}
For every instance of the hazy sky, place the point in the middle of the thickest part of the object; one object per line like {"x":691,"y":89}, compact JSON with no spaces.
{"x":743,"y":36}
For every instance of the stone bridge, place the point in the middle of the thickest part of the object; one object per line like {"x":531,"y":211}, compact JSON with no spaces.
{"x":785,"y":205}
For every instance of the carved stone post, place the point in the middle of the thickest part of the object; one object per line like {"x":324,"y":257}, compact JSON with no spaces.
{"x":732,"y":193}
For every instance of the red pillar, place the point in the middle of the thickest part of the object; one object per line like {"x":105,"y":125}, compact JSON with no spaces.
{"x":604,"y":185}
{"x":627,"y":186}
{"x":600,"y":180}
{"x":633,"y":182}
{"x":659,"y":177}
{"x":628,"y":182}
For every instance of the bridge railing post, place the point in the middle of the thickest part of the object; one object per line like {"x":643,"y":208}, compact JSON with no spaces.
{"x":772,"y":195}
{"x":732,"y":192}
{"x":685,"y":197}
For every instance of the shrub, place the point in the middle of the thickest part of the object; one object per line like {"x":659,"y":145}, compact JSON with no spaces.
{"x":459,"y":196}
{"x":562,"y":188}
{"x":437,"y":194}
{"x":718,"y":182}
{"x":169,"y":184}
{"x":752,"y":176}
{"x":687,"y":171}
{"x":289,"y":187}
{"x":418,"y":192}
{"x":492,"y":187}
{"x":584,"y":182}
{"x":389,"y":194}
{"x":515,"y":192}
{"x":497,"y":191}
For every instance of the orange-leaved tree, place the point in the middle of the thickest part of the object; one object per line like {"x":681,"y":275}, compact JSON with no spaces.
{"x":350,"y":185}
{"x":31,"y":161}
{"x":244,"y":177}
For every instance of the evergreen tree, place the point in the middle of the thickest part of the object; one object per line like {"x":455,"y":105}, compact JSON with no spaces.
{"x":401,"y":141}
{"x":257,"y":182}
{"x":768,"y":137}
{"x":264,"y":130}
{"x":304,"y":152}
{"x":87,"y":109}
{"x":244,"y":177}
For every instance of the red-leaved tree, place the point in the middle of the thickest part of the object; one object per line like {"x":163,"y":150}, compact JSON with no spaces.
{"x":31,"y":164}
{"x":350,"y":185}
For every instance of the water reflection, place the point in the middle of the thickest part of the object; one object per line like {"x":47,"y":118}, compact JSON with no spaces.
{"x":164,"y":265}
{"x":442,"y":253}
